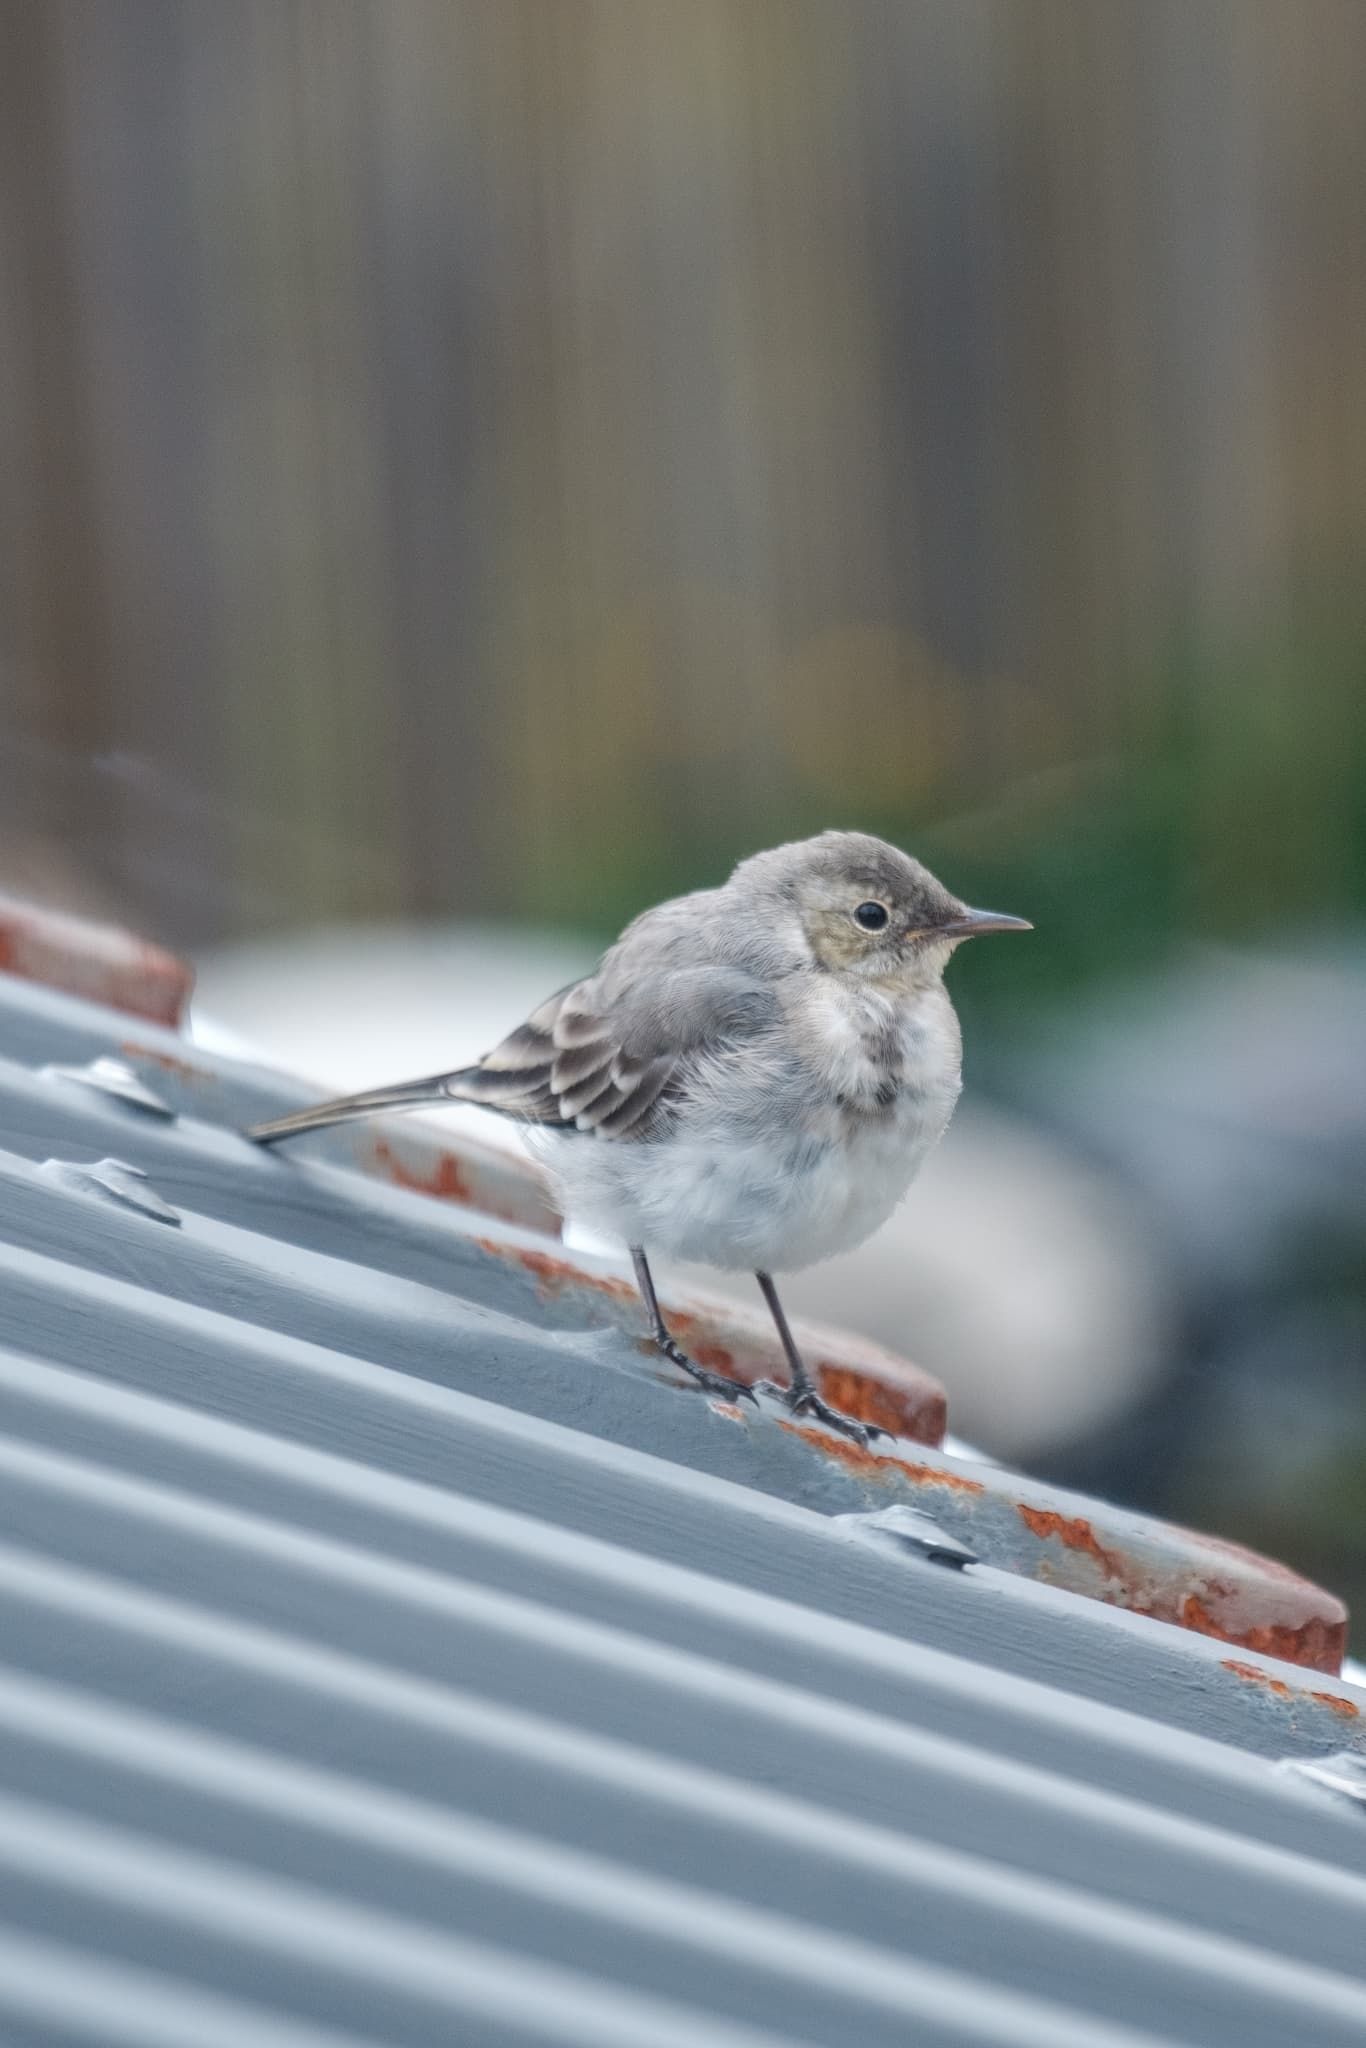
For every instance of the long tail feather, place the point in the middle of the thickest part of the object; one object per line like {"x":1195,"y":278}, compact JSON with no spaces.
{"x":345,"y":1108}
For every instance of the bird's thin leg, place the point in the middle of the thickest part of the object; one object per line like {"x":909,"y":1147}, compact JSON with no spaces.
{"x":714,"y":1382}
{"x":801,"y":1396}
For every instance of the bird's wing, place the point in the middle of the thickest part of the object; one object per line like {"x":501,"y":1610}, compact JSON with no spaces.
{"x":610,"y":1054}
{"x":606,"y":1055}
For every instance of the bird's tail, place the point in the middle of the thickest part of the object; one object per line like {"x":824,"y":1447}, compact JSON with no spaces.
{"x":345,"y":1108}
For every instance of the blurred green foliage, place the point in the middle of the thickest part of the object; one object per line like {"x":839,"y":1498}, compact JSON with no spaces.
{"x":1237,"y":814}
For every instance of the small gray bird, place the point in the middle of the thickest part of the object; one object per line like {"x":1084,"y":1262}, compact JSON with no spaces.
{"x":751,"y":1076}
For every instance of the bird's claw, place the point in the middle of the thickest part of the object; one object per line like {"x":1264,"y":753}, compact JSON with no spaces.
{"x":806,"y":1401}
{"x":714,"y":1383}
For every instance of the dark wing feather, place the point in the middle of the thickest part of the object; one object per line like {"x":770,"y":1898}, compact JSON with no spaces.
{"x":516,"y":1077}
{"x":640,"y":1089}
{"x":609,"y":1055}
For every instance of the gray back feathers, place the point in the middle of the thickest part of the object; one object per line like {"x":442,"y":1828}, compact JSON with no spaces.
{"x":686,"y":984}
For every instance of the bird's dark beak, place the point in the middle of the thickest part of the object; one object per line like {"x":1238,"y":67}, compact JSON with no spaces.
{"x":974,"y":924}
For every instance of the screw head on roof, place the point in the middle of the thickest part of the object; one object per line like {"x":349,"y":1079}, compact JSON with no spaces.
{"x":908,"y":1528}
{"x":111,"y":1180}
{"x":1343,"y":1772}
{"x":111,"y":1077}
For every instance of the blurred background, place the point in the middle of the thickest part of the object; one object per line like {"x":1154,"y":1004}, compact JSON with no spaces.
{"x":471,"y":467}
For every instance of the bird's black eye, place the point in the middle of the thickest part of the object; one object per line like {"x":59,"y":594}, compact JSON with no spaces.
{"x":872,"y":916}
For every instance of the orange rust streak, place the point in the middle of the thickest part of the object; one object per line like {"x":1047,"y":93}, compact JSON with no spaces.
{"x":1315,"y":1643}
{"x":555,"y":1274}
{"x":1349,"y":1709}
{"x":1074,"y":1532}
{"x":706,"y":1351}
{"x":714,"y":1356}
{"x":875,"y":1464}
{"x":922,"y":1417}
{"x":446,"y":1181}
{"x":1254,"y":1674}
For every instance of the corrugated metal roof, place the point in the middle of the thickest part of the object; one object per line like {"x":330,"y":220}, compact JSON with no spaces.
{"x":390,"y":1654}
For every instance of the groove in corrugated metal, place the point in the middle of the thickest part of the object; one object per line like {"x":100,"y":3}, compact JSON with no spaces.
{"x":345,"y":1705}
{"x":917,"y":1686}
{"x":512,"y":1648}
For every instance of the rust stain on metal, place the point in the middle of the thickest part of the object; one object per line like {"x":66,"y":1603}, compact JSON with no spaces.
{"x":555,"y":1275}
{"x":703,"y":1350}
{"x":1074,"y":1532}
{"x":730,"y":1409}
{"x":877,"y":1464}
{"x":1316,"y":1642}
{"x":1349,"y":1709}
{"x":1162,"y":1591}
{"x":100,"y":962}
{"x":1254,"y":1675}
{"x":471,"y":1177}
{"x":444,"y":1177}
{"x":919,"y":1413}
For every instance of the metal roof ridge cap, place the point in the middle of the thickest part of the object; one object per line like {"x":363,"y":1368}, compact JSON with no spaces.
{"x":682,"y":1583}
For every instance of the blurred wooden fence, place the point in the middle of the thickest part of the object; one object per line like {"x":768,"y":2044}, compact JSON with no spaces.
{"x":444,"y":443}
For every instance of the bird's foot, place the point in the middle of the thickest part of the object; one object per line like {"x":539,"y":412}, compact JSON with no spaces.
{"x":712,"y":1382}
{"x":804,"y":1400}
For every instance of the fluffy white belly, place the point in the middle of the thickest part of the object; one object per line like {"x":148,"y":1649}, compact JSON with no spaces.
{"x":768,"y":1205}
{"x":794,"y":1150}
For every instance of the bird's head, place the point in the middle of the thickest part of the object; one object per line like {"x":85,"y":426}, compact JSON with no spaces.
{"x":867,"y":910}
